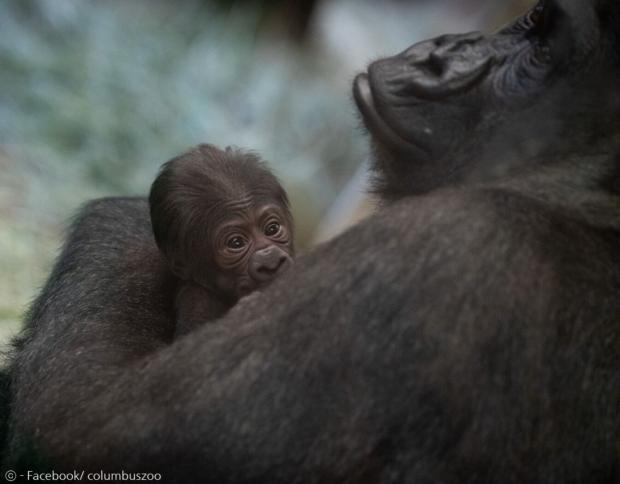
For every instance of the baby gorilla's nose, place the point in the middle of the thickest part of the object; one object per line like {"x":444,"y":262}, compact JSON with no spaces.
{"x":267,"y":263}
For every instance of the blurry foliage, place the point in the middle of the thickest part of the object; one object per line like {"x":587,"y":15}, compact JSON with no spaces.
{"x":95,"y":95}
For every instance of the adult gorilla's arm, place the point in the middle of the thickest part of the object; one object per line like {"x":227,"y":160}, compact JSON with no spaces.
{"x":413,"y":336}
{"x":464,"y":336}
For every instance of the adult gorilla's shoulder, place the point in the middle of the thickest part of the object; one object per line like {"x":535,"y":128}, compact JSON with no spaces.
{"x":465,"y":333}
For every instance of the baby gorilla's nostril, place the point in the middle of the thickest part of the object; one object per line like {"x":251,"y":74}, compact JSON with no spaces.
{"x":267,"y":263}
{"x":272,"y":266}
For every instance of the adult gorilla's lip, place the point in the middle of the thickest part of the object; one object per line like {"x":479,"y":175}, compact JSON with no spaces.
{"x":362,"y":93}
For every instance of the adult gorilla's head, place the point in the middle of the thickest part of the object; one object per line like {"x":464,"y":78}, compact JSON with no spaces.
{"x":471,"y":107}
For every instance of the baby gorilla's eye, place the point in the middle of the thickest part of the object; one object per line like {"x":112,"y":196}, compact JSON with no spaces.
{"x":272,"y":229}
{"x":235,"y":243}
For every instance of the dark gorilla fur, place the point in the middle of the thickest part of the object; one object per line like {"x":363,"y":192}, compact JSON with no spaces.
{"x":467,"y":334}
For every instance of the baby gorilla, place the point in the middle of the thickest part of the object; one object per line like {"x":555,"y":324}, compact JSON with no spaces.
{"x":222,"y":221}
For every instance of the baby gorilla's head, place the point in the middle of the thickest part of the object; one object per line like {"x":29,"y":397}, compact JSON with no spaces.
{"x":222,"y":220}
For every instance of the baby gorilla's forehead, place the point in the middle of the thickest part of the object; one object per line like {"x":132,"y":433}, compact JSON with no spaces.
{"x":248,"y":211}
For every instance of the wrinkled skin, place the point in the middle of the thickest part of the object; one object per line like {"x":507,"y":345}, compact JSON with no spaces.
{"x":466,"y":333}
{"x":252,"y":244}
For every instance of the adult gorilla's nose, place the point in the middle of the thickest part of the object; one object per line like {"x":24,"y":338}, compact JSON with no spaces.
{"x":442,"y":45}
{"x":266,"y":263}
{"x":434,"y":69}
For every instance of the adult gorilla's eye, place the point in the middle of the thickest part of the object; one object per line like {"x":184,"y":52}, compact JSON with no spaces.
{"x":538,"y":19}
{"x":536,"y":15}
{"x":235,"y":243}
{"x":272,"y":229}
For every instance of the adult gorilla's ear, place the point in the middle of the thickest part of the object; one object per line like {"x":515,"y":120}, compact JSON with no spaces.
{"x":614,"y":179}
{"x":615,"y":40}
{"x":609,"y":18}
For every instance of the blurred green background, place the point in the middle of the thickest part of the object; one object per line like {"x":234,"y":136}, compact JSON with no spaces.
{"x":95,"y":95}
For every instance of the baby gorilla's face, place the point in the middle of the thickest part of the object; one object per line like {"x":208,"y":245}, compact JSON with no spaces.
{"x":222,"y":220}
{"x":252,"y":244}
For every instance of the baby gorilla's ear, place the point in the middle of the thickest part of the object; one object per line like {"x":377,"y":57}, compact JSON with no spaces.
{"x":179,"y":269}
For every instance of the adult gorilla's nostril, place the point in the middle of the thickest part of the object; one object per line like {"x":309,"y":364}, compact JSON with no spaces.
{"x":435,"y":64}
{"x":419,"y":52}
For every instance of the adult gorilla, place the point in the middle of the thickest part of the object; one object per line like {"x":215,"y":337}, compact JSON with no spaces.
{"x":467,"y":334}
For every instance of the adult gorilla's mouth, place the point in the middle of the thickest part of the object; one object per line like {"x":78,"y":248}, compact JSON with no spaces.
{"x":362,"y":93}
